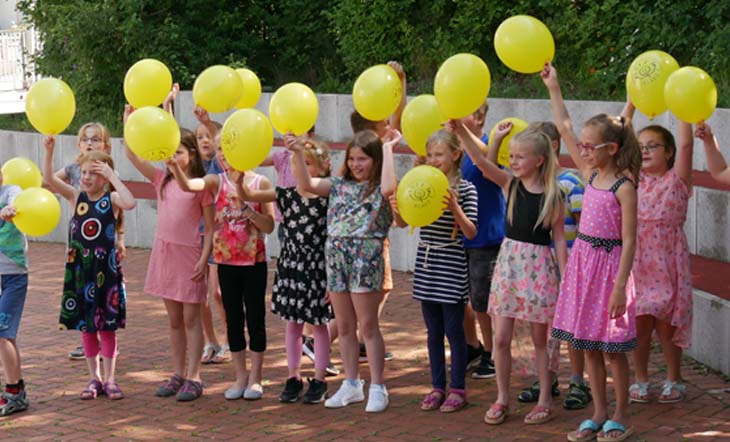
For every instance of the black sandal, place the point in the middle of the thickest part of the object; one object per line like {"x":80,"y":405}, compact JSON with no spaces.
{"x":532,"y":393}
{"x":579,"y":396}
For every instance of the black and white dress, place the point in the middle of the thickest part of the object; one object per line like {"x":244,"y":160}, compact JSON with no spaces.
{"x":300,"y":284}
{"x":441,"y":273}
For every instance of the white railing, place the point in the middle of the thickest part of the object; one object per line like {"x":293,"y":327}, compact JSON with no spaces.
{"x":17,"y":47}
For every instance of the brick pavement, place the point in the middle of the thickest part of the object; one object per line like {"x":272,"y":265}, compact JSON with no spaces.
{"x":56,"y":413}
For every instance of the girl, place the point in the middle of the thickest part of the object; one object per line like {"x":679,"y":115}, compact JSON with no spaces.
{"x":93,"y":293}
{"x":525,"y":281}
{"x":358,"y":219}
{"x":239,"y":252}
{"x":441,"y":275}
{"x":183,"y":287}
{"x":662,"y":278}
{"x":14,"y":287}
{"x":300,"y":284}
{"x":595,"y":310}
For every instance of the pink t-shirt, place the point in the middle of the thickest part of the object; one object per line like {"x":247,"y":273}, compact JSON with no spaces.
{"x":179,"y":212}
{"x":282,"y":164}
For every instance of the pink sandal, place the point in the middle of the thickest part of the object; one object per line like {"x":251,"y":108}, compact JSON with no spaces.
{"x":433,"y":400}
{"x":112,"y":390}
{"x":494,"y":409}
{"x":455,"y":401}
{"x":93,"y":390}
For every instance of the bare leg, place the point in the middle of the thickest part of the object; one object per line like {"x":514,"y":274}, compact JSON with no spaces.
{"x":485,"y":325}
{"x":620,"y":371}
{"x":194,"y":340}
{"x":470,"y":327}
{"x":177,"y":336}
{"x":539,"y":339}
{"x":257,"y":364}
{"x":672,"y":353}
{"x":239,"y":367}
{"x":346,"y":328}
{"x":503,"y":356}
{"x":10,"y":359}
{"x":644,"y":329}
{"x":366,"y":307}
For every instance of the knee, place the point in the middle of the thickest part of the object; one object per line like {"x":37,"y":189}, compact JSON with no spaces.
{"x":369,"y":329}
{"x":502,"y":342}
{"x":176,"y":323}
{"x":346,"y":328}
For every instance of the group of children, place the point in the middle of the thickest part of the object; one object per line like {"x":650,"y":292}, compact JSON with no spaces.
{"x":595,"y":256}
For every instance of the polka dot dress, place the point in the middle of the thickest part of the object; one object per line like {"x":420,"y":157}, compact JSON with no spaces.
{"x":581,"y":315}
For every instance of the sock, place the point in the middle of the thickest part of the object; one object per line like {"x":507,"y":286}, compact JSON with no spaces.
{"x":377,"y":387}
{"x":577,"y":379}
{"x":15,"y":388}
{"x":353,"y":382}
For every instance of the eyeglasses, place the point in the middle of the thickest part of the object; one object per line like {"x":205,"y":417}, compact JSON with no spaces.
{"x":650,"y":147}
{"x":584,"y":146}
{"x":93,"y":140}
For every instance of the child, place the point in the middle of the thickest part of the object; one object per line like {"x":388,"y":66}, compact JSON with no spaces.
{"x":91,"y":136}
{"x":300,"y":284}
{"x":525,"y":282}
{"x":240,"y":253}
{"x":207,"y":137}
{"x":481,"y":253}
{"x":572,"y":187}
{"x":358,"y":219}
{"x":14,"y":271}
{"x":715,"y":161}
{"x":440,"y":279}
{"x":93,"y":293}
{"x":661,"y":268}
{"x":182,"y":286}
{"x":595,"y":310}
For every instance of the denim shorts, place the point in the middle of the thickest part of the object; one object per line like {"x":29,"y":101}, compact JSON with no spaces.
{"x":481,"y":268}
{"x":12,"y":299}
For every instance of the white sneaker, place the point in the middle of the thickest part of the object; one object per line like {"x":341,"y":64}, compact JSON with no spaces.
{"x":346,"y":395}
{"x":377,"y":399}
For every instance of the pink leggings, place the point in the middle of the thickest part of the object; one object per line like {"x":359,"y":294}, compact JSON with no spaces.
{"x":294,"y":345}
{"x":91,"y":343}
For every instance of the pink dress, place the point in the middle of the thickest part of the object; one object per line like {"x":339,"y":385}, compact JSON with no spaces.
{"x":177,"y":245}
{"x":662,"y":276}
{"x":581,"y":315}
{"x":284,"y":175}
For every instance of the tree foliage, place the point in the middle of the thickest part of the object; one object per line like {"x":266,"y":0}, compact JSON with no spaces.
{"x":326,"y":44}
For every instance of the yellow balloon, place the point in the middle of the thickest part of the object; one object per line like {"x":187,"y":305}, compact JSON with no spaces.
{"x":691,"y":94}
{"x":50,"y":106}
{"x":22,"y":172}
{"x":518,"y":125}
{"x":147,"y":83}
{"x":421,"y":117}
{"x":420,"y":195}
{"x":293,"y":108}
{"x":217,"y":89}
{"x":377,"y":92}
{"x":524,"y":44}
{"x":246,"y":139}
{"x":645,"y":81}
{"x":37,"y":211}
{"x":152,"y":134}
{"x":461,"y":85}
{"x":251,"y":89}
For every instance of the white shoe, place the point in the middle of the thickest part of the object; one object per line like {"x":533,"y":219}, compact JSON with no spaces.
{"x":234,"y":393}
{"x":346,"y":395}
{"x":377,"y":399}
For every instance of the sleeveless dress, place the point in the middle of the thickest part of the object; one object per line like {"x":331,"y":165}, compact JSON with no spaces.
{"x":236,"y":240}
{"x":300,"y":284}
{"x":93,"y":298}
{"x":582,"y":316}
{"x":662,"y":275}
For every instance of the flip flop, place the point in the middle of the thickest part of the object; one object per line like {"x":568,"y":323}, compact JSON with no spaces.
{"x":610,"y":426}
{"x":538,"y":409}
{"x":585,"y":425}
{"x":496,"y":408}
{"x":220,"y":356}
{"x":209,"y":352}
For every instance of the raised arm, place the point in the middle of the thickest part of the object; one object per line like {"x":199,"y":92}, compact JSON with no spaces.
{"x":628,"y":110}
{"x":395,"y":119}
{"x":56,"y":184}
{"x":496,"y":143}
{"x":170,"y":99}
{"x":685,"y":147}
{"x":317,"y":186}
{"x":208,"y":182}
{"x":263,"y":221}
{"x":715,"y":161}
{"x":121,"y":197}
{"x":474,"y":148}
{"x":255,"y":195}
{"x":146,"y":168}
{"x":388,"y":182}
{"x":562,"y":118}
{"x":204,"y":117}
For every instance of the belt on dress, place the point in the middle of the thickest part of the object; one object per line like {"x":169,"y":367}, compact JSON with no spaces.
{"x":430,"y":246}
{"x":596,"y":242}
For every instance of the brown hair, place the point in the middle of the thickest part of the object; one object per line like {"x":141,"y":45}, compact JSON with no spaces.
{"x":360,"y":123}
{"x":667,"y":138}
{"x":372,"y":146}
{"x":97,"y":155}
{"x":195,"y":169}
{"x":619,"y":130}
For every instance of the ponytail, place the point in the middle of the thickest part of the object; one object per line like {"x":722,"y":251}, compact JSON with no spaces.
{"x":620,"y":131}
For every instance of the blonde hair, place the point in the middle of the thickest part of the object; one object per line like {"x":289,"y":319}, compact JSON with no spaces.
{"x":101,"y":130}
{"x":541,"y":146}
{"x":318,"y":152}
{"x":452,"y":142}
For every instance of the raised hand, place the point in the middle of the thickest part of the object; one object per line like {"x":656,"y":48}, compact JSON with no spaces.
{"x":49,"y":143}
{"x":392,"y":138}
{"x":549,"y":76}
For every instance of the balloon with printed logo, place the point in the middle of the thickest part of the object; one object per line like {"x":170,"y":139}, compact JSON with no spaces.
{"x":691,"y":94}
{"x":37,"y":211}
{"x":377,"y":92}
{"x":420,"y":195}
{"x":421,"y":117}
{"x":251,"y":89}
{"x":461,"y":85}
{"x":293,"y":108}
{"x":152,"y":133}
{"x":21,"y":172}
{"x":645,"y":81}
{"x":524,"y":44}
{"x":518,"y":125}
{"x":147,"y":83}
{"x":246,"y":139}
{"x":50,"y":106}
{"x":217,"y":89}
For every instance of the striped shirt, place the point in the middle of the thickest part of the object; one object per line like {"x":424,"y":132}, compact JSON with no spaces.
{"x":572,"y":186}
{"x":441,"y":273}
